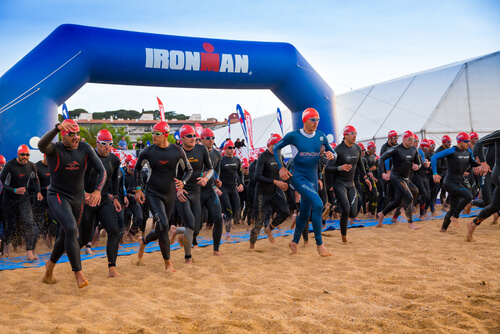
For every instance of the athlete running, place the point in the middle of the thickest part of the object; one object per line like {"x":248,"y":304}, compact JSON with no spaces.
{"x":308,"y":142}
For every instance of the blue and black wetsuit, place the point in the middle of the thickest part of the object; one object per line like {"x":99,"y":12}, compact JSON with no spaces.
{"x":231,"y":177}
{"x":305,"y":177}
{"x":458,"y":161}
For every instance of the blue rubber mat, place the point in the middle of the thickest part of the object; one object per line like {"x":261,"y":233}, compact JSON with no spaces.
{"x":132,"y":248}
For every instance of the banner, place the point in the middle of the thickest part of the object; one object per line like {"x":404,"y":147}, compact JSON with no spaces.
{"x":241,"y":116}
{"x":248,"y":120}
{"x":198,"y":129}
{"x":229,"y":128}
{"x":280,"y":120}
{"x":162,"y":111}
{"x":65,"y":111}
{"x":177,"y":135}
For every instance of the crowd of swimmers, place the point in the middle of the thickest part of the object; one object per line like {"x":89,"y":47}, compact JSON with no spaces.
{"x":76,"y":190}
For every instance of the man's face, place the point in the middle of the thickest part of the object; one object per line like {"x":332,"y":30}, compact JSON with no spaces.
{"x":23,"y":158}
{"x":393,"y":141}
{"x":463,"y":145}
{"x":311,"y":124}
{"x":159,"y":138}
{"x":245,"y":170}
{"x":71,"y":140}
{"x":447,"y":144}
{"x":104,"y":147}
{"x":350,"y":138}
{"x":189,"y":140}
{"x":371,"y":150}
{"x":425,"y":149}
{"x":432,"y":147}
{"x":229,"y":151}
{"x":408,"y":142}
{"x":473,"y":141}
{"x":208,"y":142}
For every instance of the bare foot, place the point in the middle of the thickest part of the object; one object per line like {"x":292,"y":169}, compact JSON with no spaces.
{"x":413,"y":226}
{"x":306,"y":243}
{"x":470,"y":230}
{"x":228,"y":238}
{"x":294,"y":219}
{"x":217,"y":253}
{"x":81,"y":282}
{"x":88,"y":251}
{"x":114,"y":273}
{"x":422,"y":217}
{"x":294,"y":247}
{"x":182,"y":241}
{"x":142,"y":247}
{"x":380,"y":217}
{"x":455,"y":222}
{"x":394,"y":220}
{"x":252,"y":246}
{"x":169,"y":267}
{"x":467,"y":208}
{"x":131,"y":236}
{"x":48,"y":241}
{"x":442,"y":231}
{"x":326,"y":211}
{"x":48,"y":278}
{"x":190,"y":260}
{"x":344,"y":240}
{"x":31,"y":256}
{"x":270,"y":235}
{"x":322,"y":251}
{"x":173,"y":234}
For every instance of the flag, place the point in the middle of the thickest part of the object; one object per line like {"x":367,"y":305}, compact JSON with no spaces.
{"x":241,"y":116}
{"x":280,"y":120}
{"x":162,"y":111}
{"x":248,"y":120}
{"x":65,"y":111}
{"x":229,"y":128}
{"x":198,"y":129}
{"x":177,"y":135}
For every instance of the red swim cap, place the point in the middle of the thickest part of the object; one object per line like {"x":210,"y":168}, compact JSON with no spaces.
{"x":23,"y":149}
{"x":207,"y":133}
{"x":309,"y":113}
{"x":131,"y":163}
{"x":228,"y":143}
{"x":473,"y":135}
{"x":104,"y":135}
{"x":273,"y":139}
{"x":463,"y":137}
{"x":371,"y":145}
{"x":186,"y":130}
{"x":129,"y":158}
{"x":392,"y":133}
{"x":2,"y":160}
{"x":445,"y":139}
{"x":162,"y":127}
{"x":362,"y":146}
{"x":432,"y":142}
{"x":425,"y":143}
{"x":348,"y":129}
{"x":75,"y":128}
{"x":408,"y":134}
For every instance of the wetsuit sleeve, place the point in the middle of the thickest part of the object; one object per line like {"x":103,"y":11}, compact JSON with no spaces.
{"x":98,"y":166}
{"x":138,"y":169}
{"x":416,"y":159}
{"x":115,"y":185}
{"x":440,"y":155}
{"x":258,"y":172}
{"x":472,"y":161}
{"x":331,"y":167}
{"x":386,"y":155}
{"x":239,"y":178}
{"x":3,"y":176}
{"x":361,"y":166}
{"x":37,"y":179}
{"x":279,"y":145}
{"x":188,"y":169}
{"x":208,"y":164}
{"x":486,"y":140}
{"x":422,"y":156}
{"x":46,"y":140}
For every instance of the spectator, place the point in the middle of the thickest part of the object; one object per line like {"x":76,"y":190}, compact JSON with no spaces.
{"x":237,"y":143}
{"x":122,"y":144}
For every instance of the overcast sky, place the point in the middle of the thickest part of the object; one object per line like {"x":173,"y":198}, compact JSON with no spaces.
{"x":351,"y":44}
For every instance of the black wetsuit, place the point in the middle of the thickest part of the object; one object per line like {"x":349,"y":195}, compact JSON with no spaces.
{"x":386,"y":191}
{"x":231,"y":176}
{"x":402,"y":161}
{"x":458,"y":161}
{"x":250,"y":214}
{"x":493,"y":140}
{"x":485,"y":181}
{"x":190,"y":210}
{"x":421,"y":180}
{"x":210,"y":200}
{"x":42,"y":214}
{"x":267,"y":194}
{"x":105,"y":212}
{"x":160,"y":188}
{"x":373,"y":194}
{"x":343,"y":182}
{"x":17,"y":207}
{"x":134,"y":208}
{"x":66,"y":192}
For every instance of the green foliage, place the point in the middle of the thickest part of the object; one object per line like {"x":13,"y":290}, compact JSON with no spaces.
{"x":125,"y":114}
{"x":149,"y":137}
{"x":76,"y":113}
{"x":168,"y":115}
{"x":90,"y":134}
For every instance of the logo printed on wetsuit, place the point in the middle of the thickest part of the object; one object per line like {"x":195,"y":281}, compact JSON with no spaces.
{"x":73,"y":165}
{"x":196,"y":61}
{"x":47,"y":174}
{"x":193,"y":159}
{"x":21,"y":175}
{"x":321,"y":138}
{"x":163,"y":162}
{"x":309,"y":154}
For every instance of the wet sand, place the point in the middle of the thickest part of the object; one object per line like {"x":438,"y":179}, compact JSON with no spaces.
{"x":389,"y":280}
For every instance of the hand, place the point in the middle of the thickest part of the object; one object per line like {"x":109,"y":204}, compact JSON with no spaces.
{"x":39,"y":197}
{"x":178,"y":184}
{"x":218,"y":183}
{"x":118,"y":206}
{"x":436,"y":178}
{"x":218,"y":191}
{"x":240,"y":188}
{"x":466,"y":174}
{"x":285,"y":174}
{"x":67,"y":127}
{"x":139,"y":197}
{"x":125,"y":201}
{"x":320,"y":184}
{"x":329,"y":155}
{"x":345,"y":167}
{"x":386,"y":176}
{"x":94,"y":198}
{"x":369,"y":184}
{"x":21,"y":191}
{"x":477,"y":170}
{"x":485,"y":168}
{"x":280,"y":184}
{"x":427,"y":164}
{"x":297,"y":197}
{"x":414,"y":167}
{"x":202,"y":181}
{"x":180,"y":195}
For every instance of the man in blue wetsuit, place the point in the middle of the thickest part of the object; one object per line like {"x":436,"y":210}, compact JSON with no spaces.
{"x":308,"y":142}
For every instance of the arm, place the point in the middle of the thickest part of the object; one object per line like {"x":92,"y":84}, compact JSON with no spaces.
{"x":440,"y":155}
{"x":258,"y":172}
{"x":486,"y":140}
{"x":5,"y":178}
{"x":46,"y":140}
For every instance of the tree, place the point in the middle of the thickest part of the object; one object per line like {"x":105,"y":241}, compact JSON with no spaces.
{"x":90,"y":133}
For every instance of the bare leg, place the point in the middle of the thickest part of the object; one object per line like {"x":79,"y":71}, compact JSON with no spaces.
{"x":169,"y":267}
{"x":270,"y":235}
{"x":217,"y":253}
{"x":48,"y":278}
{"x":114,"y":273}
{"x":142,"y":247}
{"x":344,"y":240}
{"x":380,"y":216}
{"x":495,"y":218}
{"x":88,"y":249}
{"x":173,"y":233}
{"x":455,"y":222}
{"x":322,"y":251}
{"x":412,"y":226}
{"x":31,"y":256}
{"x":81,"y":282}
{"x":467,"y":208}
{"x":470,"y":230}
{"x":294,"y":247}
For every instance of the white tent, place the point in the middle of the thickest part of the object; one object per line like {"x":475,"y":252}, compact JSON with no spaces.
{"x":464,"y":96}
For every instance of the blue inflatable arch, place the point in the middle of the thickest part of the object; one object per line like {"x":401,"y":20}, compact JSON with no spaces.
{"x":72,"y":55}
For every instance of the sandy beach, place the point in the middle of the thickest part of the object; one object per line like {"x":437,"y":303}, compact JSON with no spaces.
{"x":389,"y":280}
